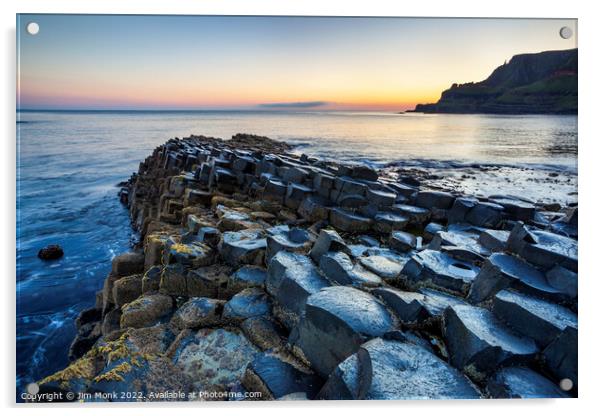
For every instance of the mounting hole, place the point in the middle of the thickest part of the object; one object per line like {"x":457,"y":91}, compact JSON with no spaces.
{"x":33,"y":28}
{"x":32,"y":388}
{"x":566,"y":32}
{"x":566,"y":384}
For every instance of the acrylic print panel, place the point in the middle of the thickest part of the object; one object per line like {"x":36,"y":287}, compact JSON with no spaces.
{"x":265,"y":208}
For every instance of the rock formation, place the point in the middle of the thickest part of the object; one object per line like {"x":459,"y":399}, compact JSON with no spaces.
{"x":262,"y":274}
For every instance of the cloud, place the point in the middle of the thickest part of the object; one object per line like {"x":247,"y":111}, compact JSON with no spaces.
{"x":300,"y":104}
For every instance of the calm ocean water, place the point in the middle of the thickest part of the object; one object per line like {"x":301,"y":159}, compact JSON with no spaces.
{"x":69,"y":163}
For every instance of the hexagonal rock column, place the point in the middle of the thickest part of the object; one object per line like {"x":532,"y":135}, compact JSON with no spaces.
{"x":415,"y":215}
{"x":275,"y":378}
{"x":248,"y":303}
{"x":560,"y":356}
{"x":337,"y":321}
{"x":402,"y":241}
{"x":243,"y":247}
{"x":435,"y":269}
{"x":197,"y":312}
{"x":434,"y":199}
{"x":338,"y":267}
{"x":291,"y":279}
{"x":328,"y":240}
{"x":543,"y":321}
{"x":501,"y":271}
{"x":245,"y":277}
{"x":522,"y":383}
{"x":385,"y":222}
{"x":146,"y":311}
{"x":478,"y":343}
{"x":417,"y":308}
{"x":349,"y":222}
{"x":295,"y":240}
{"x":392,"y":370}
{"x":314,"y":208}
{"x":550,"y":250}
{"x":383,"y":266}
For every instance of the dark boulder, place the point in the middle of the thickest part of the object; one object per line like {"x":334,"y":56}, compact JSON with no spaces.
{"x":51,"y":252}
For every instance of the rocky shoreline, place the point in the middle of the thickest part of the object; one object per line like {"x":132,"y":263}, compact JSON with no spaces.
{"x":262,"y":274}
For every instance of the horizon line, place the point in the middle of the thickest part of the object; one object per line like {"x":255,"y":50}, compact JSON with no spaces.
{"x":262,"y":110}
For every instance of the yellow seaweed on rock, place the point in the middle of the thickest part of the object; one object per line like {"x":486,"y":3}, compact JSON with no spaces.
{"x":181,"y":248}
{"x":83,"y":368}
{"x":114,"y":373}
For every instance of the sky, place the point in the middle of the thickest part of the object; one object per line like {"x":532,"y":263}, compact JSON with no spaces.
{"x":264,"y":63}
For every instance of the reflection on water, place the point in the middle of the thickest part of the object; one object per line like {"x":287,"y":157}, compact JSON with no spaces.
{"x":69,"y":164}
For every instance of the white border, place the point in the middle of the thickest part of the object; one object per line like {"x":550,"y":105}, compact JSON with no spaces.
{"x":590,"y":137}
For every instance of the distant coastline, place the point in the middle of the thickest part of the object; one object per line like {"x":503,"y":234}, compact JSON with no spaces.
{"x":539,"y":83}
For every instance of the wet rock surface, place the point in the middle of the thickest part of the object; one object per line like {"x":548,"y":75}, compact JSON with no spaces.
{"x":259,"y":270}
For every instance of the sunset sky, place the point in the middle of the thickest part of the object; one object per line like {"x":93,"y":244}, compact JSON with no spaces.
{"x":213,"y":62}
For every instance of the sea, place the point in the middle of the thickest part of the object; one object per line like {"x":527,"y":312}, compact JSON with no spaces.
{"x":70,"y":162}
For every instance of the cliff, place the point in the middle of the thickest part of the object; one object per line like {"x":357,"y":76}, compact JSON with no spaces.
{"x":536,"y":83}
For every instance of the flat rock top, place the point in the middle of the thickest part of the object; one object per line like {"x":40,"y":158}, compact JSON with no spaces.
{"x":520,"y":270}
{"x":462,"y":239}
{"x":300,"y":268}
{"x":556,"y":243}
{"x":484,"y":326}
{"x":518,"y":382}
{"x":557,"y":315}
{"x":214,"y":357}
{"x":252,"y":274}
{"x":404,"y":371}
{"x":411,"y":209}
{"x":382,"y":266}
{"x":361,"y":311}
{"x":436,"y":301}
{"x":242,"y":237}
{"x":443,"y":264}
